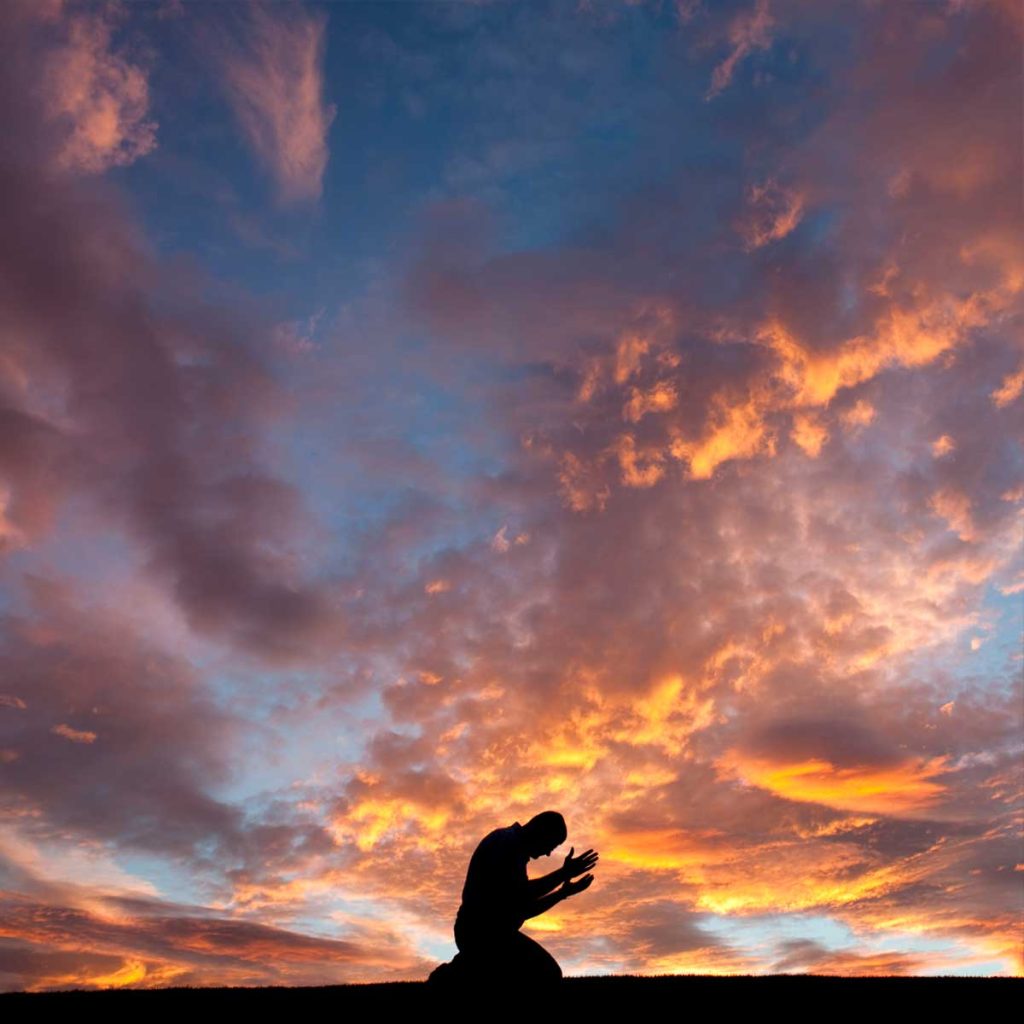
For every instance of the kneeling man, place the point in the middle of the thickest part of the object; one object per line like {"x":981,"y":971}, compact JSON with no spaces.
{"x":499,"y":897}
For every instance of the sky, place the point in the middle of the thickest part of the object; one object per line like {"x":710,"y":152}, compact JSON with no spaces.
{"x":415,"y":416}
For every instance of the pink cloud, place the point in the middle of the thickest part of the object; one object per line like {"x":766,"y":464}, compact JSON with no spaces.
{"x":273,"y":74}
{"x":141,"y":730}
{"x":97,"y":96}
{"x":749,"y":31}
{"x":120,"y":387}
{"x":772,"y":213}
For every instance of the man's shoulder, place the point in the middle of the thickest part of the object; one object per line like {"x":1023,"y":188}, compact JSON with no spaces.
{"x":501,"y":838}
{"x":501,"y":835}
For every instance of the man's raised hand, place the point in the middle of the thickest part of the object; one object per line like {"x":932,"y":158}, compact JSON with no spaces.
{"x":574,"y":866}
{"x":571,"y":888}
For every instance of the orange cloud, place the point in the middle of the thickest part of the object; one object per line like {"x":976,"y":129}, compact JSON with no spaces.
{"x":890,"y":789}
{"x":955,"y":507}
{"x":659,"y":398}
{"x":161,"y":944}
{"x":1010,"y":389}
{"x":737,"y":427}
{"x":75,"y":735}
{"x":734,"y":431}
{"x":659,"y":850}
{"x":580,"y":485}
{"x":629,"y":352}
{"x":809,"y":434}
{"x":638,"y":468}
{"x":908,"y":337}
{"x":860,"y":414}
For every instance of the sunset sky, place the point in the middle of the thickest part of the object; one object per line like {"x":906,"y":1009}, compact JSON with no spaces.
{"x":415,"y":416}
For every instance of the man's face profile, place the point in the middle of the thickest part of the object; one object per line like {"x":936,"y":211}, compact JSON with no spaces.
{"x":543,"y":835}
{"x":542,"y":847}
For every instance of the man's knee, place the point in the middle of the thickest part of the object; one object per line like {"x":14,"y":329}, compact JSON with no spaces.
{"x":548,"y":968}
{"x":537,"y":961}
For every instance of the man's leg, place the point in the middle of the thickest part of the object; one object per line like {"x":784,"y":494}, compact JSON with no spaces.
{"x":533,"y":963}
{"x":482,"y":955}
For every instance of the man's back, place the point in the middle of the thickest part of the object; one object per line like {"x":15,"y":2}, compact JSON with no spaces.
{"x":494,"y":896}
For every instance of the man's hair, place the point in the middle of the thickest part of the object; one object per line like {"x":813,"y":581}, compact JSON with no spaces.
{"x":550,"y":823}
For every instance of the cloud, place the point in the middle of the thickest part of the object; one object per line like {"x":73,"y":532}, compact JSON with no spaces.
{"x":747,"y":32}
{"x":75,"y":735}
{"x":809,"y":434}
{"x":715,"y":582}
{"x":122,"y":388}
{"x":772,"y":213}
{"x":1010,"y":389}
{"x":141,"y":732}
{"x":897,"y":790}
{"x":99,"y":99}
{"x":801,"y":956}
{"x":955,"y":508}
{"x":274,"y":78}
{"x":151,"y":943}
{"x":733,"y":650}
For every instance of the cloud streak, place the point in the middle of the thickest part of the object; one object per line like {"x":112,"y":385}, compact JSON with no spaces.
{"x":274,"y":77}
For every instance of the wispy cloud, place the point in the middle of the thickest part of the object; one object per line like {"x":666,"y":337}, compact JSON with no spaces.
{"x":274,"y":77}
{"x":772,"y":213}
{"x":749,"y":31}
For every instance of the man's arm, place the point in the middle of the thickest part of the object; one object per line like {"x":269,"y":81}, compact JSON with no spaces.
{"x":538,"y":887}
{"x":544,"y":903}
{"x":563,"y":892}
{"x":573,"y":866}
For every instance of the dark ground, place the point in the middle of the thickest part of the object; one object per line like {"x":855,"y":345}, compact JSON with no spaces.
{"x":677,"y":995}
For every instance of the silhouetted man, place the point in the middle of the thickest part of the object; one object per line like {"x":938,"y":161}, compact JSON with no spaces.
{"x":499,"y":896}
